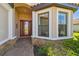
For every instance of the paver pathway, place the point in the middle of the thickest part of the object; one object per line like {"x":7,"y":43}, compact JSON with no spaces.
{"x":23,"y":47}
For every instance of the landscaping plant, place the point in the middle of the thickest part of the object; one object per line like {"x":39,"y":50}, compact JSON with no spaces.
{"x":69,"y":47}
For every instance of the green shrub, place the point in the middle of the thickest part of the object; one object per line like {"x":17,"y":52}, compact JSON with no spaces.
{"x":45,"y":50}
{"x":50,"y":52}
{"x":42,"y":50}
{"x":70,"y":52}
{"x":72,"y":45}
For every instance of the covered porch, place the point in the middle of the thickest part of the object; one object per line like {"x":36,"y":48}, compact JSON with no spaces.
{"x":19,"y":30}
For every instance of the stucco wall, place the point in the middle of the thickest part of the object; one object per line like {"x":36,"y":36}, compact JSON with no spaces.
{"x":54,"y":22}
{"x":76,"y":25}
{"x":3,"y":23}
{"x":76,"y":28}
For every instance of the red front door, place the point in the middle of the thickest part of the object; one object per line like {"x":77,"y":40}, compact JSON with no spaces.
{"x":25,"y":28}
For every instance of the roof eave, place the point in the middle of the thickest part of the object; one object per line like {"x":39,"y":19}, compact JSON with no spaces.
{"x":61,"y":5}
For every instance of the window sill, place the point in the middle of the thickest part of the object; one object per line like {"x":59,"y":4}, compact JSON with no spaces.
{"x":41,"y":37}
{"x":48,"y":38}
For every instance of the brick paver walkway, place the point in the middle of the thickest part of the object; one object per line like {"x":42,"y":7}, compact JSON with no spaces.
{"x":23,"y":47}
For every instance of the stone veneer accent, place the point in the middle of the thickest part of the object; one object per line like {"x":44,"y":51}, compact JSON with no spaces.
{"x":39,"y":42}
{"x":7,"y":46}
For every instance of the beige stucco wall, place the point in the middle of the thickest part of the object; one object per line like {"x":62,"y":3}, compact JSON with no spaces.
{"x":3,"y":23}
{"x":75,"y":25}
{"x":54,"y":22}
{"x":71,"y":22}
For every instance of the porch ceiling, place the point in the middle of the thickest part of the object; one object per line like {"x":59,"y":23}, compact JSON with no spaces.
{"x":21,"y":4}
{"x":23,"y":8}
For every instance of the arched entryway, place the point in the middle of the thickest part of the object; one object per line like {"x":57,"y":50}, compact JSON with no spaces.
{"x":23,"y":20}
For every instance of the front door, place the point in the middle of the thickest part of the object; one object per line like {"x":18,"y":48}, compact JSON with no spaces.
{"x":25,"y":28}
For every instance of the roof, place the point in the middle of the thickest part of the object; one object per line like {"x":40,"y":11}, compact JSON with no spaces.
{"x":62,"y":5}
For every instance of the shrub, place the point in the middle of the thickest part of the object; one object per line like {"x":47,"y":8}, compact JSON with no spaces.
{"x":50,"y":52}
{"x":69,"y":47}
{"x":45,"y":50}
{"x":42,"y":51}
{"x":70,"y":52}
{"x":72,"y":45}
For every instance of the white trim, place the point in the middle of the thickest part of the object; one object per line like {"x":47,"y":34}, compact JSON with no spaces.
{"x":57,"y":23}
{"x":13,"y":38}
{"x":44,"y":11}
{"x":41,"y":37}
{"x":60,"y":38}
{"x":34,"y":23}
{"x":10,"y":22}
{"x":10,"y":15}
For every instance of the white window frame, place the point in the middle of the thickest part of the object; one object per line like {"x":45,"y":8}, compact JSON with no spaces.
{"x":39,"y":23}
{"x":50,"y":16}
{"x":64,"y":22}
{"x":68,"y":22}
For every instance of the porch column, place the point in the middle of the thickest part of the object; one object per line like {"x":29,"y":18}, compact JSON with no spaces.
{"x":11,"y":24}
{"x":33,"y":24}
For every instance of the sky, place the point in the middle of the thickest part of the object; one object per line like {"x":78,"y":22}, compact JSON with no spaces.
{"x":76,"y":14}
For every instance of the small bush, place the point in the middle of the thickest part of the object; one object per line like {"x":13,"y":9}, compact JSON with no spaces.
{"x":72,"y":45}
{"x":45,"y":50}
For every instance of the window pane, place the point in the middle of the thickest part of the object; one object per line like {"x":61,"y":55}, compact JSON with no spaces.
{"x":26,"y":28}
{"x":62,"y":24}
{"x":43,"y":26}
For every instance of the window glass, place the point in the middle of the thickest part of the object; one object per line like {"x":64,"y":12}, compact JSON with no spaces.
{"x":43,"y":26}
{"x":26,"y":24}
{"x":62,"y":24}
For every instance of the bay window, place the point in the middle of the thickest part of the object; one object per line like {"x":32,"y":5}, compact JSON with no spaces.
{"x":52,"y":24}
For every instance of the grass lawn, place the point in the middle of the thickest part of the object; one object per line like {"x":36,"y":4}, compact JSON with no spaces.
{"x":69,"y":47}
